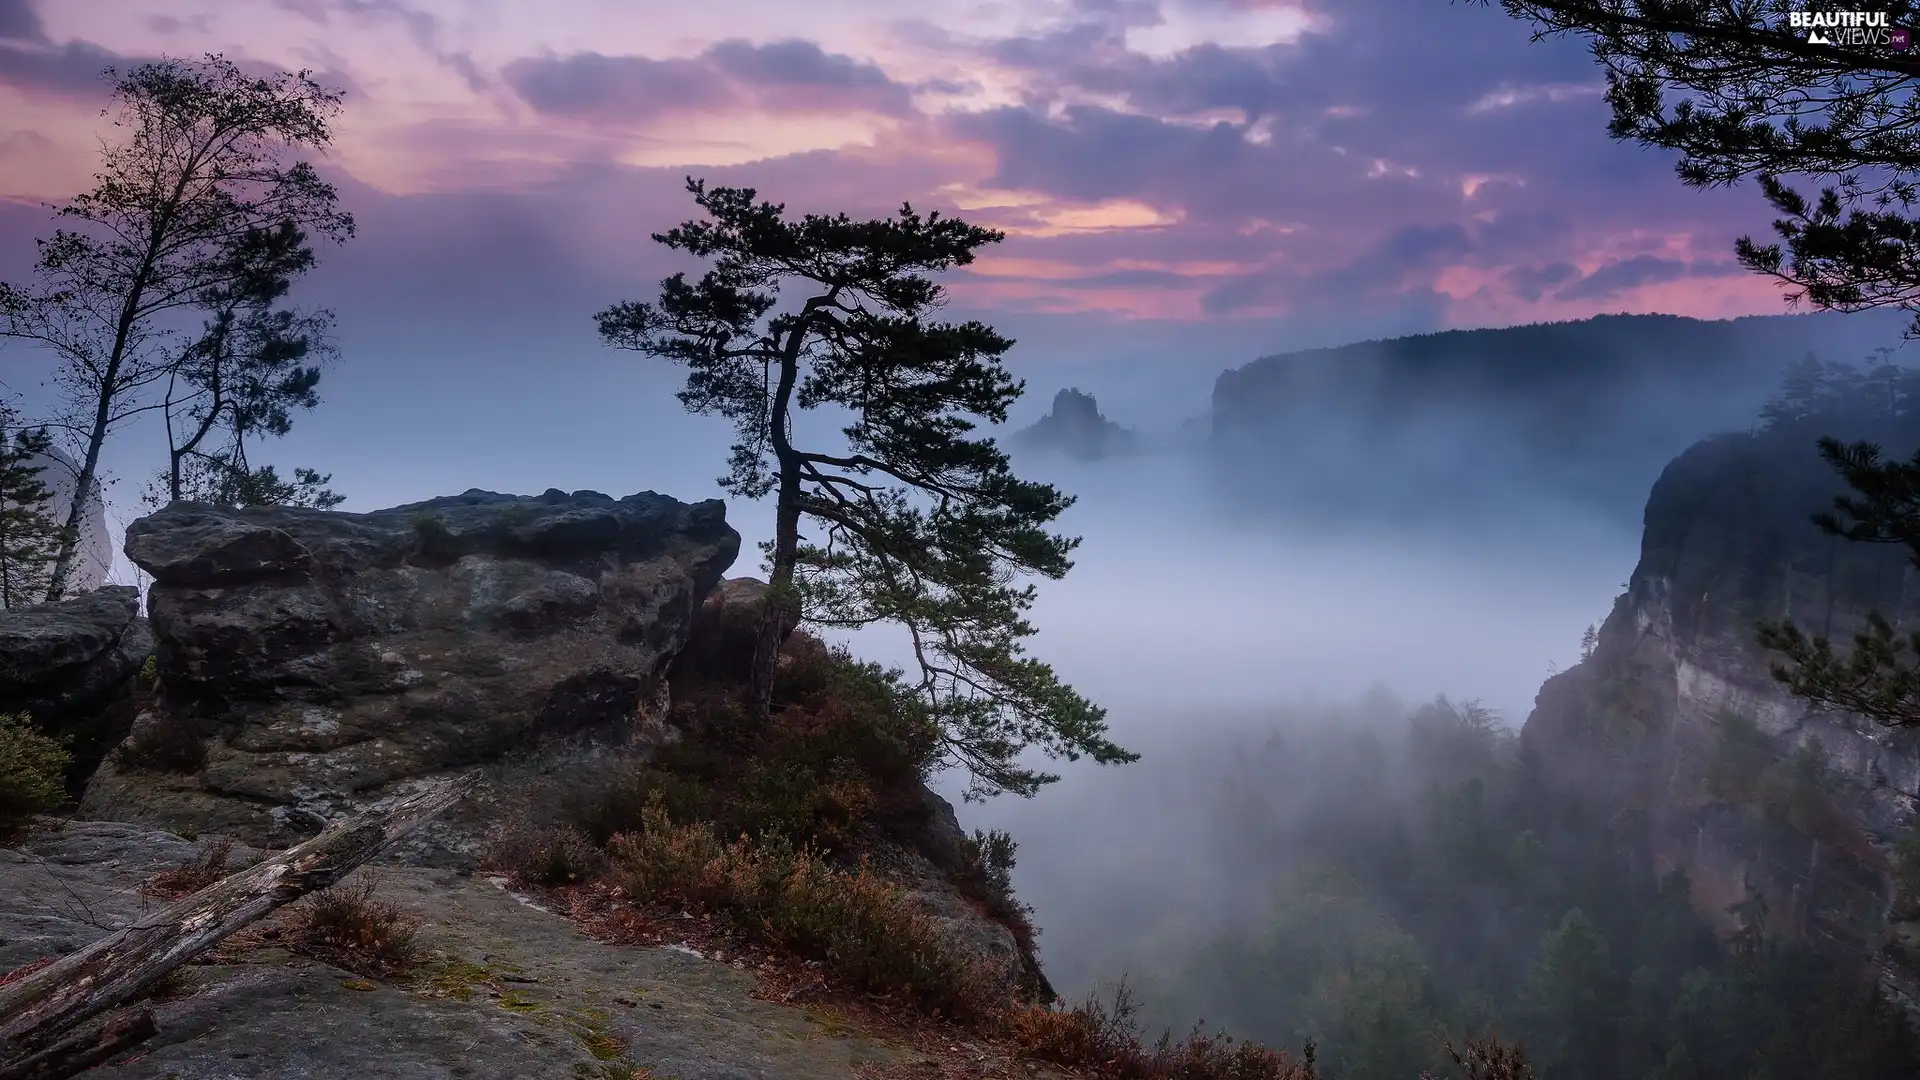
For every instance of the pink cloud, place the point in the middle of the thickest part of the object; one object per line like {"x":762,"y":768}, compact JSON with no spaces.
{"x":1438,"y":161}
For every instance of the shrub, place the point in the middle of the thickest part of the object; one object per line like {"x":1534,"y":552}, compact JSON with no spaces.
{"x":1105,"y":1037}
{"x":989,"y":879}
{"x":1487,"y":1059}
{"x":346,"y":927}
{"x":846,"y":744}
{"x":32,"y":771}
{"x":192,"y":876}
{"x":870,"y":936}
{"x":557,"y":856}
{"x":603,"y":801}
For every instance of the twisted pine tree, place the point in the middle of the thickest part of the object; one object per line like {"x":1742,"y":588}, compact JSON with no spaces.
{"x":921,"y":520}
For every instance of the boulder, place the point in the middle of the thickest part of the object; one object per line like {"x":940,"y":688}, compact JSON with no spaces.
{"x":70,"y":666}
{"x":312,"y":662}
{"x":719,"y":652}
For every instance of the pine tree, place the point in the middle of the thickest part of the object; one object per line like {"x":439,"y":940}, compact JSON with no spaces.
{"x":206,"y":167}
{"x":1803,"y":390}
{"x":921,"y":521}
{"x":29,"y":534}
{"x":1739,"y":95}
{"x":1572,"y":1003}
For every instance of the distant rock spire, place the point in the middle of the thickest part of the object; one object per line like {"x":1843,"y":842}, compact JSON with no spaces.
{"x":1076,"y":429}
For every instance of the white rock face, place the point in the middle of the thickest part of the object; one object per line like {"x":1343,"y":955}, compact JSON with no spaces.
{"x":94,"y":561}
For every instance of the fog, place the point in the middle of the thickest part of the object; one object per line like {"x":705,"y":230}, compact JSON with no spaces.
{"x":1251,"y":615}
{"x":1196,"y":632}
{"x":1230,"y":628}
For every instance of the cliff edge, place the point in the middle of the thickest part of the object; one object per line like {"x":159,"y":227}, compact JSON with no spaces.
{"x":1674,"y":722}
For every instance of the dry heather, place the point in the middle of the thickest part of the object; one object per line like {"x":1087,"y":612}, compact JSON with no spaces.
{"x":191,"y":877}
{"x":346,"y":927}
{"x":756,"y":828}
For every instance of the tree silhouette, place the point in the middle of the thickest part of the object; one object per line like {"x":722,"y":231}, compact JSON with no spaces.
{"x":204,"y":170}
{"x":923,"y":523}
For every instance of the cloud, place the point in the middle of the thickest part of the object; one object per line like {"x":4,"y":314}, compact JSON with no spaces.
{"x":422,"y":26}
{"x":1152,"y":158}
{"x":782,"y":77}
{"x":18,"y":22}
{"x":168,"y":24}
{"x":71,"y":70}
{"x":1532,"y":282}
{"x":1623,"y":275}
{"x":1399,"y":263}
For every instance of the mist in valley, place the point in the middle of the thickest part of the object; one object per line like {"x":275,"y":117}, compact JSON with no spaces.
{"x":1313,"y":685}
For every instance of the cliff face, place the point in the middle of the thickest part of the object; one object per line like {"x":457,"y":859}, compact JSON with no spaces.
{"x":1674,"y":721}
{"x":1453,"y":422}
{"x":311,"y":661}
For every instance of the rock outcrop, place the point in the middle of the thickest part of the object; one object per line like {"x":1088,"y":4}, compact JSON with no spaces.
{"x":1075,"y":428}
{"x":1447,"y":425}
{"x":311,"y":662}
{"x":1675,"y":722}
{"x":921,"y":845}
{"x":507,"y":991}
{"x":69,"y":666}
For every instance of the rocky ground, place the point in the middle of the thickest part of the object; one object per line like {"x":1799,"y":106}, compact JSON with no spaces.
{"x":508,"y":989}
{"x":302,"y":665}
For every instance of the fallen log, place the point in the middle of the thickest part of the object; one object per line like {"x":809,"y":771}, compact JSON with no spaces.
{"x":94,"y":1045}
{"x":42,"y":1008}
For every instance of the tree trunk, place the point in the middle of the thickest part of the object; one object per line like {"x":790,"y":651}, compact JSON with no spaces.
{"x":42,"y":1008}
{"x":782,"y":611}
{"x":780,"y":614}
{"x":76,"y":510}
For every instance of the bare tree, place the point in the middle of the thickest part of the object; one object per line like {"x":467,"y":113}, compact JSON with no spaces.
{"x":207,"y":165}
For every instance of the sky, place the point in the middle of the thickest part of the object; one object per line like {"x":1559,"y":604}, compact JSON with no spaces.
{"x":1190,"y":161}
{"x":1184,"y":184}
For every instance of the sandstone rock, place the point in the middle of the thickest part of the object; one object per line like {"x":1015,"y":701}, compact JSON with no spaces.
{"x":720,"y":649}
{"x":70,"y":666}
{"x":326,"y":660}
{"x":1075,"y":428}
{"x":507,"y":991}
{"x":1638,"y":724}
{"x":938,"y":856}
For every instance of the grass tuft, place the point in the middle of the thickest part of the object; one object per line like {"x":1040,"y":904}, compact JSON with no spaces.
{"x":346,"y":927}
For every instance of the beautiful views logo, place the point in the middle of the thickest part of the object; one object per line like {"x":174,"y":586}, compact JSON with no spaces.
{"x":1861,"y":28}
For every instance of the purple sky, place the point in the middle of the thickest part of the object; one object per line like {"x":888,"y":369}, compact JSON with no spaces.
{"x":1179,"y":159}
{"x":1186,"y":185}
